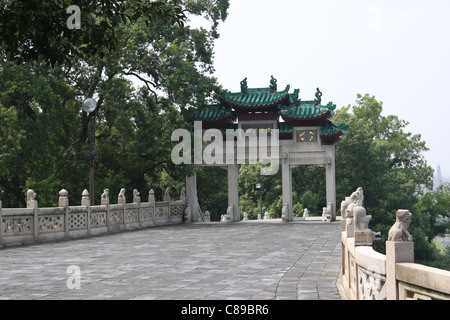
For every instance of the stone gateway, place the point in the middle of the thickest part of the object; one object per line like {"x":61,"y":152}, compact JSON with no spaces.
{"x":290,"y":131}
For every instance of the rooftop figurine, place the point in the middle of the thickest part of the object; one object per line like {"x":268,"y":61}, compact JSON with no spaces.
{"x":273,"y":84}
{"x":244,"y":86}
{"x":318,"y":99}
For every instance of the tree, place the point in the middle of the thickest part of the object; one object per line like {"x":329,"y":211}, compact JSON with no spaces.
{"x":308,"y":183}
{"x":44,"y":136}
{"x":249,"y":200}
{"x":437,"y":205}
{"x":432,"y":220}
{"x":46,"y":34}
{"x":378,"y":155}
{"x":37,"y":113}
{"x":212,"y":191}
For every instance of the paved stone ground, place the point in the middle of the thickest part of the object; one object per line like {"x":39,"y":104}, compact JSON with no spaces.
{"x":245,"y":260}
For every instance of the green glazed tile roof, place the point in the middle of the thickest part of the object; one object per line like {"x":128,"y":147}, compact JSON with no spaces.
{"x":283,"y":127}
{"x":307,"y":110}
{"x":256,"y":98}
{"x":256,"y":103}
{"x":212,"y":112}
{"x":330,"y":129}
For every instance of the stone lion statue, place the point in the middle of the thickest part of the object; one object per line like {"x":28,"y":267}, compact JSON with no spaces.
{"x":167,"y":194}
{"x":356,"y":199}
{"x":121,"y":197}
{"x":105,"y":194}
{"x":31,"y":195}
{"x":361,"y":220}
{"x":399,"y":231}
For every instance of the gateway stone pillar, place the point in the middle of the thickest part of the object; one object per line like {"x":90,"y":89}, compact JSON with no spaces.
{"x":233,"y":190}
{"x":331,"y":178}
{"x":286,"y":178}
{"x":191,"y":196}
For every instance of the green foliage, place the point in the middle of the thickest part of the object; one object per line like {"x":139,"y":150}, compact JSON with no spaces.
{"x":308,"y":184}
{"x":249,"y":200}
{"x":378,"y":155}
{"x":36,"y":133}
{"x":212,"y":191}
{"x":147,"y":70}
{"x":436,"y":204}
{"x":42,"y":34}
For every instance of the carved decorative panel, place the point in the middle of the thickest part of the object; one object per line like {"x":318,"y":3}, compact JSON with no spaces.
{"x":98,"y":219}
{"x":77,"y":220}
{"x":51,"y":223}
{"x":407,"y":291}
{"x":161,"y":212}
{"x":17,"y":226}
{"x":176,"y":211}
{"x":116,"y":217}
{"x":146,"y":213}
{"x":131,"y":215}
{"x":371,"y":284}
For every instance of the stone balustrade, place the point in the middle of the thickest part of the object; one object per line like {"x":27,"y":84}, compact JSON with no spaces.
{"x":370,"y":275}
{"x":34,"y":224}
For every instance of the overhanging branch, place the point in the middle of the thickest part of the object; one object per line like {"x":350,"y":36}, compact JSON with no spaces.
{"x":147,"y":83}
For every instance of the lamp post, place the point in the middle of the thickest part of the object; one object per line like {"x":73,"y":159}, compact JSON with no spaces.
{"x":258,"y":189}
{"x":89,"y":105}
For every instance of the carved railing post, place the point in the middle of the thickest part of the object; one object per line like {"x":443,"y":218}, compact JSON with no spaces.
{"x":344,"y":205}
{"x":104,"y":201}
{"x":151,"y":199}
{"x":121,"y":197}
{"x":399,"y":248}
{"x":207,"y":216}
{"x":85,"y":201}
{"x":31,"y":199}
{"x":357,"y":221}
{"x":136,"y":197}
{"x":33,"y":204}
{"x":105,"y":197}
{"x":63,"y":202}
{"x":167,"y":199}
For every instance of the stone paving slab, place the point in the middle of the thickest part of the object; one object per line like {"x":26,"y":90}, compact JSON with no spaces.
{"x":209,"y":261}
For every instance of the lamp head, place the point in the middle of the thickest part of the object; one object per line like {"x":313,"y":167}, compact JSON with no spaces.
{"x":89,"y":105}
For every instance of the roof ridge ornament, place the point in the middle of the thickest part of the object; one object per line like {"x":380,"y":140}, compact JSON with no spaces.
{"x":295,"y":98}
{"x":273,"y":84}
{"x":244,"y":86}
{"x":318,"y":97}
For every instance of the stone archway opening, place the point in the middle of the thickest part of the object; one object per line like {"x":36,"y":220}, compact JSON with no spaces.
{"x":259,"y":195}
{"x":309,"y":190}
{"x":212,"y":191}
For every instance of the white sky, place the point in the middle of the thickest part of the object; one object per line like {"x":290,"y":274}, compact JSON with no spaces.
{"x":398,"y":51}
